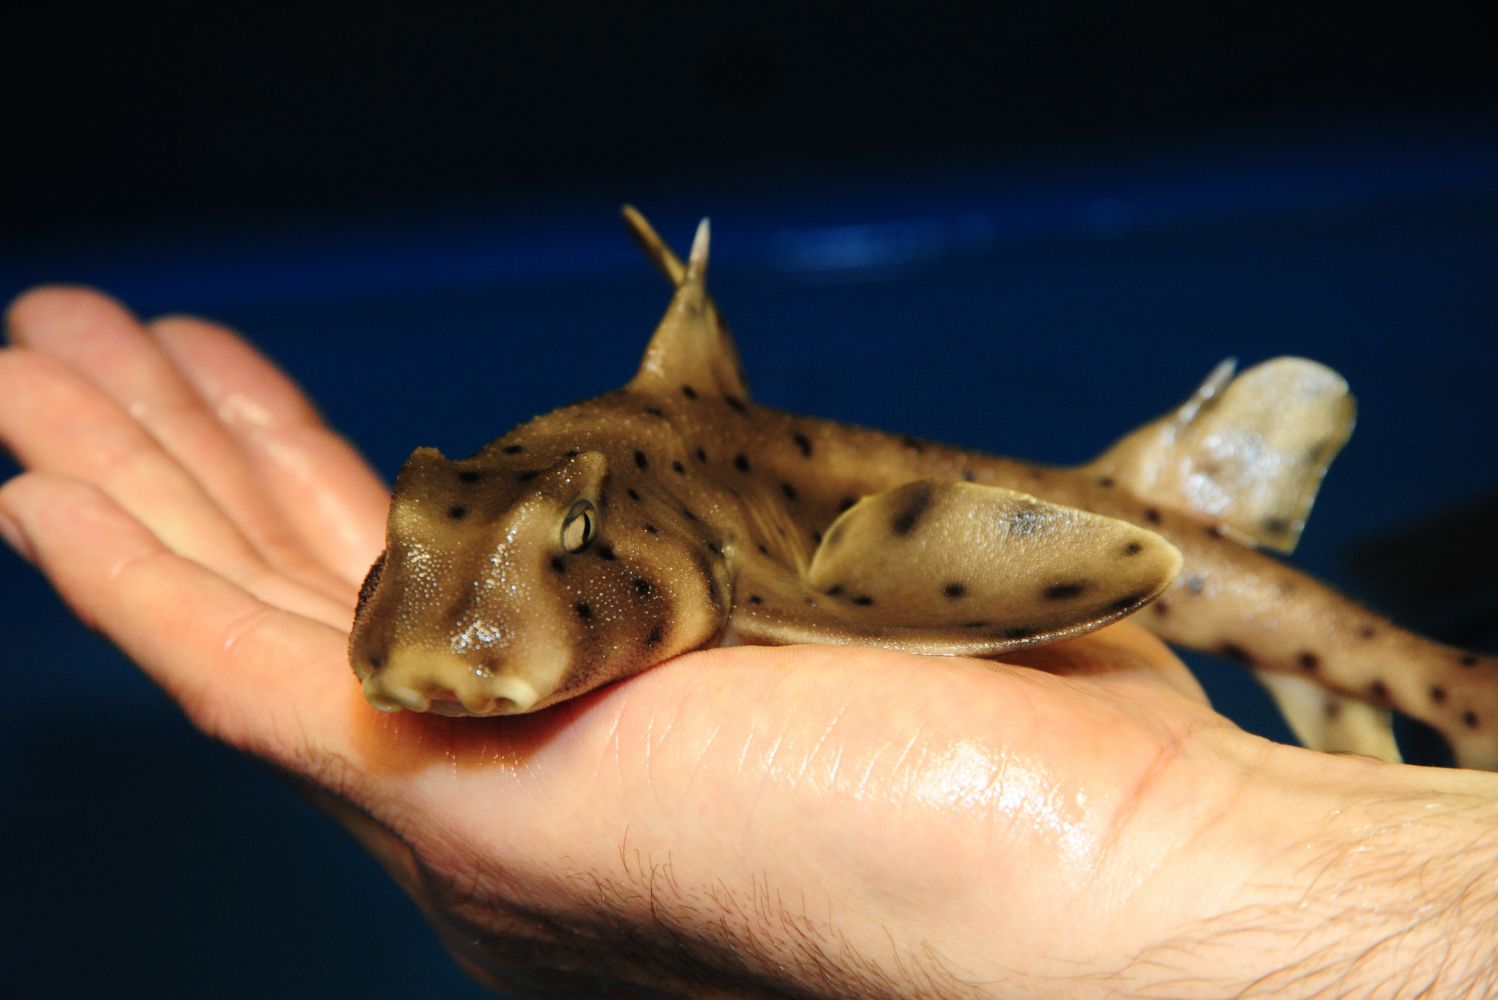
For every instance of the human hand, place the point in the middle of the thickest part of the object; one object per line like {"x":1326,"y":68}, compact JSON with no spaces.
{"x":738,"y":822}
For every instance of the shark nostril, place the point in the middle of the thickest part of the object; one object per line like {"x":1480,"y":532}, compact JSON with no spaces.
{"x":513,"y":695}
{"x":392,"y":697}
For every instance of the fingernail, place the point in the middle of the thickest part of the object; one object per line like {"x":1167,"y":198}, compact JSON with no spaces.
{"x":11,"y":531}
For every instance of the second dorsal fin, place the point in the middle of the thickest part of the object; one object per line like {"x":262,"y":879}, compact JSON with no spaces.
{"x":1246,"y":452}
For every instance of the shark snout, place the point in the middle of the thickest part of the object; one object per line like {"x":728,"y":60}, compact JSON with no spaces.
{"x":444,"y":683}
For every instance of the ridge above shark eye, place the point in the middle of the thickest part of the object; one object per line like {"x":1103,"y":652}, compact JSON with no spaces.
{"x":578,"y":528}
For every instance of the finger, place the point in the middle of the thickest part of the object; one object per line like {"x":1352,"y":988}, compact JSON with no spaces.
{"x":328,"y":492}
{"x":244,"y":670}
{"x":100,"y":340}
{"x":55,"y":422}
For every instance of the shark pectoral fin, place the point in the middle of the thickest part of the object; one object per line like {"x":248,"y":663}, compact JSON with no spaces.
{"x":691,"y":346}
{"x":1323,"y":720}
{"x":950,"y":567}
{"x":1247,"y":452}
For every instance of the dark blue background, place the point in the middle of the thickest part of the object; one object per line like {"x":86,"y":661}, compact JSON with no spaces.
{"x":1035,"y":281}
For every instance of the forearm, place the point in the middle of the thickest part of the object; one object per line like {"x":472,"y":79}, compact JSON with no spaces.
{"x":1357,"y":879}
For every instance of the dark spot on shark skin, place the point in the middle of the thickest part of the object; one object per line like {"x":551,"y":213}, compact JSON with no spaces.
{"x":1367,"y":632}
{"x":741,"y":462}
{"x":513,"y":449}
{"x":656,"y":411}
{"x":756,"y":599}
{"x":1467,"y":660}
{"x":689,"y":392}
{"x":1331,"y":709}
{"x":715,"y":547}
{"x":789,"y":492}
{"x":1064,"y":591}
{"x":803,"y":443}
{"x":1276,"y":526}
{"x":584,"y":611}
{"x":469,"y":476}
{"x":975,"y":624}
{"x":1020,"y":632}
{"x":816,"y":537}
{"x":656,"y":635}
{"x":954,"y":590}
{"x":846,"y":503}
{"x":605,"y":551}
{"x":863,"y":600}
{"x":633,"y":494}
{"x":641,"y":462}
{"x":1152,"y":515}
{"x":1162,"y":607}
{"x":1133,"y":549}
{"x":527,"y":475}
{"x":652,"y":529}
{"x":701,"y":456}
{"x":1308,"y":660}
{"x":1438,"y":694}
{"x":558,"y":565}
{"x":1106,"y":482}
{"x":1217,"y":531}
{"x":913,"y":444}
{"x":736,"y":403}
{"x":1127,"y":603}
{"x":835,"y":590}
{"x":1026,"y":519}
{"x":1233,"y":651}
{"x":572,"y":453}
{"x":376,"y":661}
{"x":1469,"y":719}
{"x":763,"y":550}
{"x":905,"y":521}
{"x":642,"y":586}
{"x":968,"y":475}
{"x":687,"y":513}
{"x":1378,"y":691}
{"x":457,"y":512}
{"x":704,"y":567}
{"x":678,"y":468}
{"x":370,"y":585}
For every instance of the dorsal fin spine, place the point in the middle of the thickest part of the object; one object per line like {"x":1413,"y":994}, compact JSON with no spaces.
{"x":697,"y":259}
{"x":652,"y":246}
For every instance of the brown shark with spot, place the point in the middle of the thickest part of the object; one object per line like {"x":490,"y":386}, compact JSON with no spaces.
{"x":605,"y":537}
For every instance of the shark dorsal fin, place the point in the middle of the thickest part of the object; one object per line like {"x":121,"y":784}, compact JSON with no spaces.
{"x":1247,"y":452}
{"x":691,"y":346}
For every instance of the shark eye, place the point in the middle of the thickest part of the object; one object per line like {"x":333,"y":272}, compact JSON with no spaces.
{"x":577,"y":530}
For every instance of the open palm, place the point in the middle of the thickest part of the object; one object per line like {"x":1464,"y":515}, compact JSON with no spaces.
{"x":738,"y":822}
